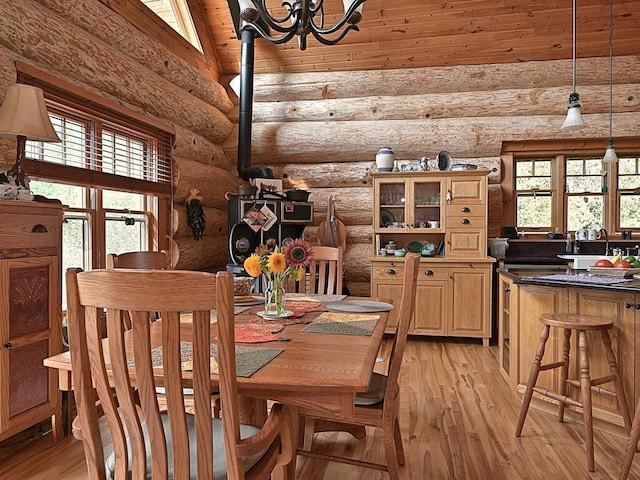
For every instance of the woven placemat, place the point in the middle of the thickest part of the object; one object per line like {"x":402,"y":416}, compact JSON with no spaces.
{"x":343,"y":324}
{"x":248,"y":359}
{"x":188,"y":317}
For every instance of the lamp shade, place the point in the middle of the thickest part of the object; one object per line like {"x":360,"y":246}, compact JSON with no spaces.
{"x":24,"y":113}
{"x":610,"y":154}
{"x":574,"y":120}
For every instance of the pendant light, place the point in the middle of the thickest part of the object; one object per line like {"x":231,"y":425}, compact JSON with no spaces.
{"x":610,"y":153}
{"x":574,"y":119}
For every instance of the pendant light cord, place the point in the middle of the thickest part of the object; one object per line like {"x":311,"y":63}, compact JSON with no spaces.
{"x":575,"y":15}
{"x":610,"y":70}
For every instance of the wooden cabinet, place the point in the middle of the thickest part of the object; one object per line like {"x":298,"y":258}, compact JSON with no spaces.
{"x":507,"y":303}
{"x":448,"y":209}
{"x":452,"y":299}
{"x":30,"y":313}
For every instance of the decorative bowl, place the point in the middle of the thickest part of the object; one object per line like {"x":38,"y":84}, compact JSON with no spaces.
{"x":242,"y":285}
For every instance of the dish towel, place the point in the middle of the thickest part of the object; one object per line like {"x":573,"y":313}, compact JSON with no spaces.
{"x":343,"y":324}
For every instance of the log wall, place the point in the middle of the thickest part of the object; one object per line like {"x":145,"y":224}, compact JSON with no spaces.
{"x":321,"y":131}
{"x":89,"y":45}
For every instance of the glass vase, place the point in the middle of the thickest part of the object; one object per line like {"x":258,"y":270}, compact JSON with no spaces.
{"x":274,"y":297}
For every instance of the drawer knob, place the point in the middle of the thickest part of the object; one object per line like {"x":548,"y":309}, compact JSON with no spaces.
{"x":628,"y":305}
{"x":507,"y":289}
{"x":391,"y":271}
{"x":8,"y":346}
{"x":465,"y":221}
{"x":428,"y":273}
{"x":465,"y":209}
{"x":39,"y":228}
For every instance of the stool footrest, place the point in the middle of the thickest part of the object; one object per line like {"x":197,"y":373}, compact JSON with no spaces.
{"x":549,"y":366}
{"x":556,"y":396}
{"x":594,"y":385}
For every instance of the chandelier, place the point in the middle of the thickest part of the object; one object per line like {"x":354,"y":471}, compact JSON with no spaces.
{"x":301,"y":18}
{"x":574,"y":120}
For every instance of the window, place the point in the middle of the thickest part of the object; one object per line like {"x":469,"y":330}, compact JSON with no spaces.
{"x":177,"y":15}
{"x":112,"y":174}
{"x":575,"y":190}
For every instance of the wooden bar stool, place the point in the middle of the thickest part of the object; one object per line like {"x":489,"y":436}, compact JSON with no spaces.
{"x":582,"y":324}
{"x":632,"y":445}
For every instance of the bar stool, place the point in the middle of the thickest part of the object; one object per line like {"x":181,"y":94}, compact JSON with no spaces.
{"x":632,"y":445}
{"x":582,"y":324}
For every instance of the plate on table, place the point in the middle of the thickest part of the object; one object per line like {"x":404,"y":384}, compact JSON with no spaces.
{"x":359,"y":306}
{"x":247,"y":300}
{"x":286,"y":314}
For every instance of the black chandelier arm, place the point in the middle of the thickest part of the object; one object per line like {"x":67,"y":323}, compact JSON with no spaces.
{"x":334,"y":41}
{"x":339,"y":25}
{"x":274,"y":23}
{"x":260,"y":31}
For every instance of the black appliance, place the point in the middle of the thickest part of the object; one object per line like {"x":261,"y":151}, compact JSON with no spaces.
{"x":291,"y":219}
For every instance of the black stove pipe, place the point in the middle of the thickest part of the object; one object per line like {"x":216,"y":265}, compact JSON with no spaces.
{"x":245,"y":170}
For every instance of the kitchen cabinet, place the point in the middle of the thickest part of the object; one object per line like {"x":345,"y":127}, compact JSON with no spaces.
{"x":448,"y":209}
{"x":452,"y":299}
{"x":520,"y":329}
{"x":30,"y":314}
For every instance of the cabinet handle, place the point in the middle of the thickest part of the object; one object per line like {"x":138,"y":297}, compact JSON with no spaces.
{"x":8,"y":346}
{"x":637,"y":306}
{"x":428,"y":273}
{"x":391,"y":271}
{"x":39,"y":228}
{"x":628,"y":305}
{"x":465,"y":209}
{"x":465,"y":221}
{"x":507,"y":289}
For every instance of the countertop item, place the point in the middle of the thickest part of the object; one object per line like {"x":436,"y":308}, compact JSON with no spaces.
{"x":567,"y":277}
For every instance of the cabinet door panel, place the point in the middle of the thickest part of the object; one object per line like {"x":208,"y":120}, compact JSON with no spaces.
{"x":466,"y":243}
{"x":28,"y":299}
{"x":469,"y":288}
{"x":28,"y":377}
{"x":532,"y":302}
{"x":431,"y":308}
{"x":467,"y":190}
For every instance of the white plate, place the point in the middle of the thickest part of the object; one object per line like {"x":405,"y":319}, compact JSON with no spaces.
{"x":359,"y":306}
{"x":286,"y":314}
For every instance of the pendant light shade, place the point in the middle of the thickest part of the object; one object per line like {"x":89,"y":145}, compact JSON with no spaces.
{"x":610,"y":153}
{"x":574,"y":120}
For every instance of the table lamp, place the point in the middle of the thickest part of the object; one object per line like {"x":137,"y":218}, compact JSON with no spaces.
{"x":23,"y":115}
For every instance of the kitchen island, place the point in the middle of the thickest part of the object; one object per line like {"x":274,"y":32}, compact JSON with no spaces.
{"x":525,"y":292}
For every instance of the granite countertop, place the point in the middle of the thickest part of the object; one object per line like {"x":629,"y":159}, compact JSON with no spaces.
{"x":567,"y":277}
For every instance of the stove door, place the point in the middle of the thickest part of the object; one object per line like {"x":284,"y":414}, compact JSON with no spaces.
{"x":243,"y":241}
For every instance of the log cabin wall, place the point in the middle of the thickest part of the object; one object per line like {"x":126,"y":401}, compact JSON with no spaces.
{"x":93,"y":47}
{"x":321,"y":131}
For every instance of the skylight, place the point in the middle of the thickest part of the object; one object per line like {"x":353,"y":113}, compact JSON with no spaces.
{"x":176,"y":14}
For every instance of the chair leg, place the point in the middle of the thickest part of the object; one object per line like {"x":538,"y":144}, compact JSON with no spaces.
{"x":585,"y":393}
{"x":533,"y":378}
{"x":632,"y":445}
{"x":397,"y":435}
{"x":564,"y":372}
{"x":309,"y":426}
{"x":390,"y":450}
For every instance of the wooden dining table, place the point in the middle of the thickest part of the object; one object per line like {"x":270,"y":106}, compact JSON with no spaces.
{"x":316,"y":372}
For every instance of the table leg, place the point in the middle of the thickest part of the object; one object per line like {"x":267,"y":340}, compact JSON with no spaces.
{"x":253,"y":411}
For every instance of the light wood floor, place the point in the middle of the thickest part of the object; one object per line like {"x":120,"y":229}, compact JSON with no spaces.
{"x":458,"y":422}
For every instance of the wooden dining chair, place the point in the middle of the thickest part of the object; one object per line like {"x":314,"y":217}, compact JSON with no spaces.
{"x":149,"y":260}
{"x":171,"y":443}
{"x":379,"y":406}
{"x":324,"y":273}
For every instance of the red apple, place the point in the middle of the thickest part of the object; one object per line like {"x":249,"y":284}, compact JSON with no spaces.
{"x":622,"y":264}
{"x":603,"y":263}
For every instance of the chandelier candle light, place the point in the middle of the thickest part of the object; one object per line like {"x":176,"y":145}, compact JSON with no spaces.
{"x":301,"y":17}
{"x":276,"y":266}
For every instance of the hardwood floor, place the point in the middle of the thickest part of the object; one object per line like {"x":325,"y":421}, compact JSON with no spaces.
{"x":458,"y":422}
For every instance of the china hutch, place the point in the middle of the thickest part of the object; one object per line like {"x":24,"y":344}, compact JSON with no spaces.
{"x":448,"y":210}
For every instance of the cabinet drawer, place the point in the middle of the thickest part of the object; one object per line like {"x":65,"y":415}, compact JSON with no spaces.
{"x":466,"y":210}
{"x":466,"y":221}
{"x":388,"y":270}
{"x":427,"y":273}
{"x":30,"y":231}
{"x":467,"y":243}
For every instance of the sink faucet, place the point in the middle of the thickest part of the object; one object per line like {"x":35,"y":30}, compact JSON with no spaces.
{"x":603,"y":231}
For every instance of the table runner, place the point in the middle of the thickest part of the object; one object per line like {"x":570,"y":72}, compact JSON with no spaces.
{"x":187,"y":317}
{"x":343,"y":324}
{"x":248,"y":359}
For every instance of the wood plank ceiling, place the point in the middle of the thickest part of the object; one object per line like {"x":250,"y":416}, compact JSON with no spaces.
{"x":421,"y":33}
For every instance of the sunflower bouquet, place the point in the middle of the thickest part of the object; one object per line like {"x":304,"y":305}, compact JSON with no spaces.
{"x":276,"y":266}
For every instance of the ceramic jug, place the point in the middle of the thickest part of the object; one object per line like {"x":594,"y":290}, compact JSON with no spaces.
{"x":385,"y":159}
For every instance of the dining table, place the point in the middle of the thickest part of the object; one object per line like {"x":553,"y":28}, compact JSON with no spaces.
{"x":315,"y":368}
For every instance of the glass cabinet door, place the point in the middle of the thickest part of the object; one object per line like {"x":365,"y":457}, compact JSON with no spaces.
{"x":427,"y":198}
{"x":392,"y":199}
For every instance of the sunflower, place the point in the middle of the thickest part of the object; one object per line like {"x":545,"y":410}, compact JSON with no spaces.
{"x":276,"y":263}
{"x":298,"y":253}
{"x":252,"y":265}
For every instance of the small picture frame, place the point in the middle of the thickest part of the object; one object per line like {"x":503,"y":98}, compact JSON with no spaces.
{"x":269,"y":185}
